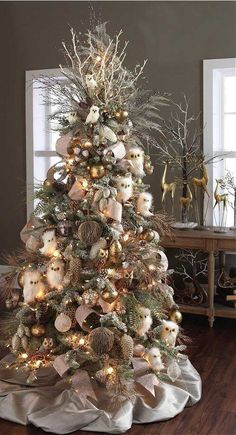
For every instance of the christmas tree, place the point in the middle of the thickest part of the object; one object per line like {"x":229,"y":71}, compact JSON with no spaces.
{"x":95,"y":306}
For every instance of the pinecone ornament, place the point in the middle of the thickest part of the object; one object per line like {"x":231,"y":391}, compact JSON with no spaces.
{"x":127,"y":347}
{"x":73,"y":274}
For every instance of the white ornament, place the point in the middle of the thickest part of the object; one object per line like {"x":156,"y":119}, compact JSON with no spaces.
{"x":144,"y":204}
{"x":169,"y":332}
{"x":93,"y":115}
{"x":107,"y":133}
{"x":153,"y":356}
{"x":49,"y":243}
{"x":118,"y":150}
{"x":136,"y":156}
{"x":72,"y":118}
{"x":163,"y":261}
{"x":32,"y":285}
{"x":91,"y":84}
{"x":145,"y":321}
{"x":63,"y":323}
{"x":100,"y":244}
{"x":124,"y":187}
{"x":55,"y":274}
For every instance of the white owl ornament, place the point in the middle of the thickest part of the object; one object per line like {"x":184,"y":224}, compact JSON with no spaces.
{"x":144,"y":204}
{"x":153,"y":356}
{"x":33,"y":285}
{"x":93,"y":115}
{"x":55,"y":274}
{"x":169,"y":332}
{"x":91,"y":84}
{"x":145,"y":321}
{"x":49,"y":243}
{"x":136,"y":156}
{"x":124,"y":187}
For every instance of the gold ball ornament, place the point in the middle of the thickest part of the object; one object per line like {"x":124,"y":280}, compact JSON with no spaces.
{"x":147,"y":235}
{"x":175,"y":315}
{"x":121,"y":115}
{"x":38,"y":330}
{"x":97,"y":171}
{"x":21,"y":278}
{"x":110,"y":294}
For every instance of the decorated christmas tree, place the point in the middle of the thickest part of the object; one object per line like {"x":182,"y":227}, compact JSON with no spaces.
{"x":95,"y":318}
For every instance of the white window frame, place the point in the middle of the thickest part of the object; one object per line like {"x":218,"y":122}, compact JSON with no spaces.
{"x":212,"y":98}
{"x":30,"y":78}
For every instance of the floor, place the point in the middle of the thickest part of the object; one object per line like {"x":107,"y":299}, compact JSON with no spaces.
{"x":213,"y":353}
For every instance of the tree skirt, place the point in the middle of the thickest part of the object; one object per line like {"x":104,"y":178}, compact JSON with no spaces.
{"x":55,"y":407}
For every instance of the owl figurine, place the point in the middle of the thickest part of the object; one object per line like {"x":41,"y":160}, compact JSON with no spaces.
{"x":72,"y":118}
{"x":55,"y":274}
{"x":91,"y":84}
{"x":33,"y":285}
{"x":124,"y":187}
{"x":136,"y":156}
{"x":144,"y":204}
{"x":93,"y":115}
{"x":169,"y":332}
{"x":153,"y":356}
{"x":49,"y":243}
{"x":145,"y":321}
{"x":47,"y":344}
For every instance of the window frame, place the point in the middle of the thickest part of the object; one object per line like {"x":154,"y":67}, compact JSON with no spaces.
{"x":212,"y":108}
{"x":30,"y":77}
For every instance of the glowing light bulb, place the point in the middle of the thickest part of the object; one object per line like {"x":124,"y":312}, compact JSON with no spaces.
{"x":24,"y":355}
{"x":40,"y":295}
{"x":56,"y":254}
{"x":110,"y":370}
{"x":82,"y":341}
{"x":126,"y":237}
{"x":152,"y":267}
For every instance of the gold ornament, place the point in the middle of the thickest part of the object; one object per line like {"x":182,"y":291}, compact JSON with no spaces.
{"x":89,"y":232}
{"x":175,"y":315}
{"x":147,"y":235}
{"x":86,"y":144}
{"x":115,"y":251}
{"x":121,"y":115}
{"x":110,"y":294}
{"x":97,"y":171}
{"x":101,"y":340}
{"x":20,"y":278}
{"x":38,"y":330}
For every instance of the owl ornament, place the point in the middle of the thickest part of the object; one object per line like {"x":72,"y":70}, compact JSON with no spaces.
{"x":47,"y":344}
{"x":124,"y":187}
{"x":72,"y":118}
{"x":91,"y":84}
{"x":55,"y":274}
{"x":153,"y":356}
{"x":136,"y":156}
{"x":33,"y":286}
{"x":144,"y":204}
{"x":169,"y":332}
{"x":145,"y":321}
{"x":49,"y":243}
{"x":93,"y":115}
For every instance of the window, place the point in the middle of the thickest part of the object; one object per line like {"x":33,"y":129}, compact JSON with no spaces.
{"x":40,"y":139}
{"x":219,"y":100}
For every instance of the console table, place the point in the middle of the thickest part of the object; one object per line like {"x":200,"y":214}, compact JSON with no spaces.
{"x":212,"y":243}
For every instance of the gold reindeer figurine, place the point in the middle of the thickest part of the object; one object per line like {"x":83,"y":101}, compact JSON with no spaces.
{"x":201,"y":182}
{"x":167,"y":187}
{"x":186,"y":202}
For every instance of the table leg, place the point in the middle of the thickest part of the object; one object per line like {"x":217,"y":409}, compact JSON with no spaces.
{"x":211,"y":282}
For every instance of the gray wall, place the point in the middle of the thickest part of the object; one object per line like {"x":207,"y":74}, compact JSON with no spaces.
{"x":174,"y":36}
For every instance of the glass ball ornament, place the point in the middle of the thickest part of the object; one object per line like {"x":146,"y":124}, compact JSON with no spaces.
{"x":38,"y":330}
{"x":63,"y":323}
{"x":97,"y":171}
{"x":148,"y":235}
{"x":175,"y":315}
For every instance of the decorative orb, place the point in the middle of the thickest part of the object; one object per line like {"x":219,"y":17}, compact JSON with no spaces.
{"x":38,"y":330}
{"x":97,"y":171}
{"x":21,"y":279}
{"x":110,"y":294}
{"x":101,"y":340}
{"x":86,"y":144}
{"x":89,"y":232}
{"x":175,"y":315}
{"x":147,"y":235}
{"x":121,"y":115}
{"x":63,"y":323}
